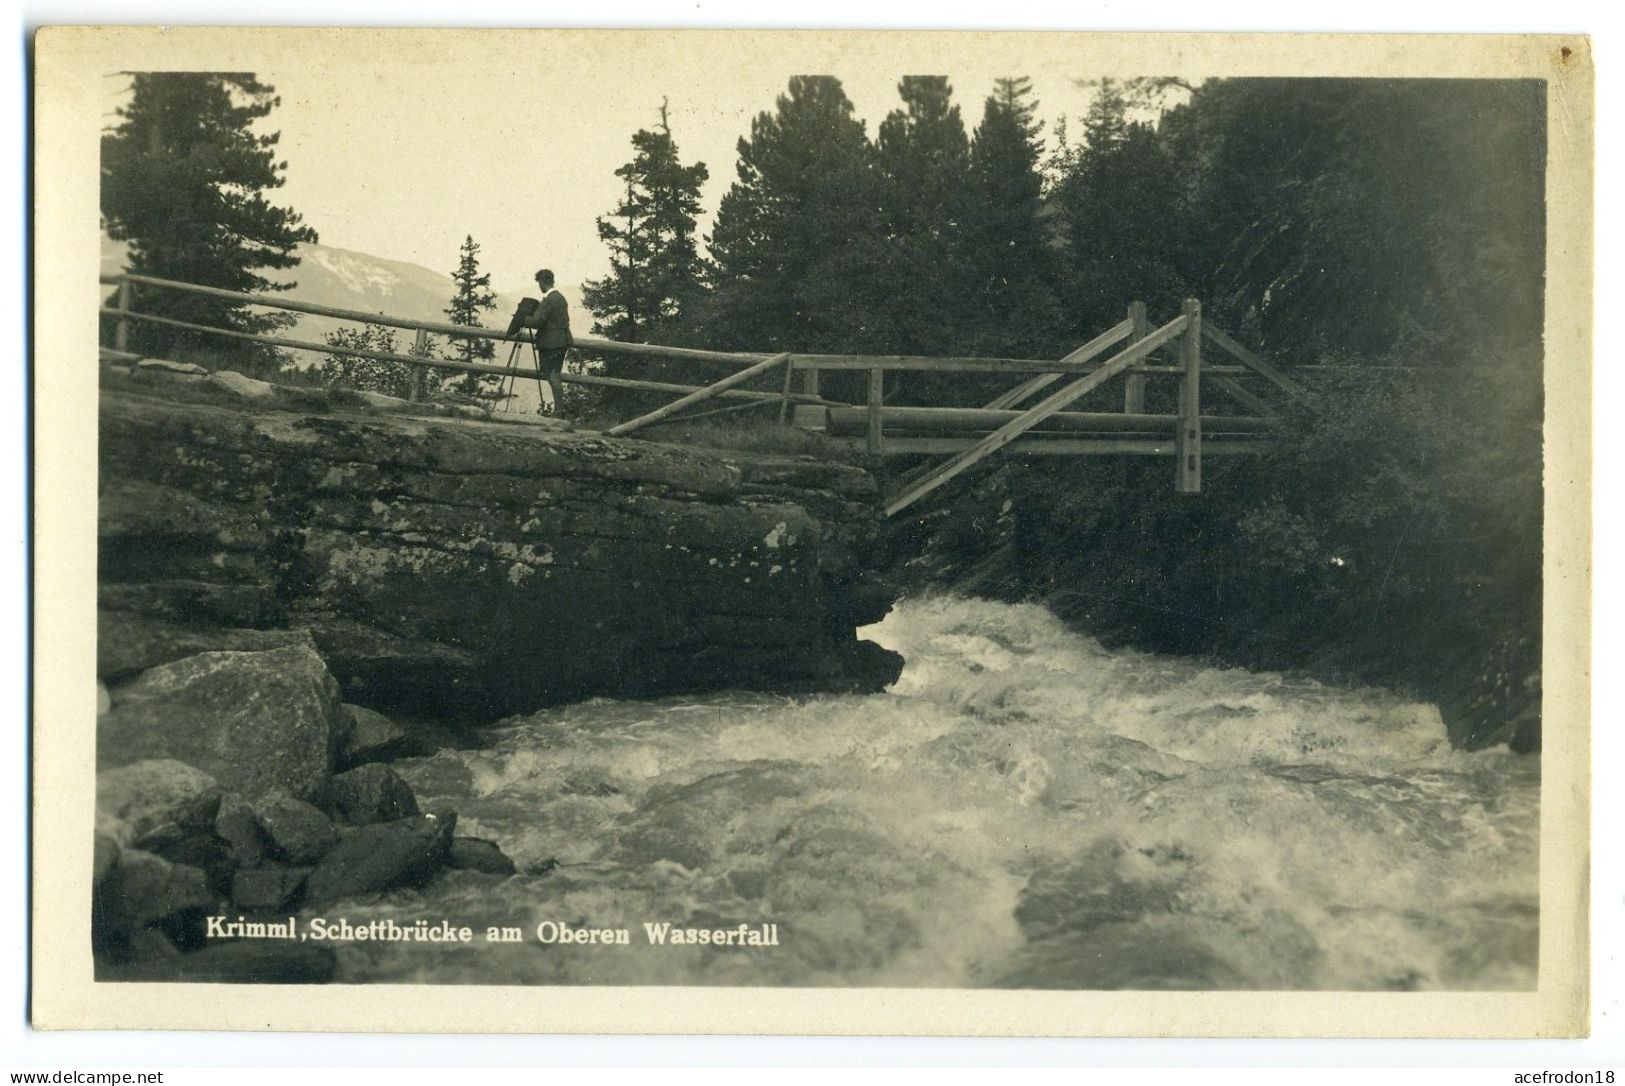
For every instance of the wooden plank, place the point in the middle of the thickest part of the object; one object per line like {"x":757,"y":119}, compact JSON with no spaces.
{"x":1089,"y":350}
{"x":461,"y":367}
{"x":1251,"y":360}
{"x":877,"y":400}
{"x":658,"y":350}
{"x":957,"y":363}
{"x":1028,"y":445}
{"x":925,"y":363}
{"x":1134,"y":383}
{"x":1188,"y":464}
{"x":855,"y":420}
{"x":1034,"y":415}
{"x":1236,"y":391}
{"x":586,"y":343}
{"x":698,"y":396}
{"x":1176,"y":370}
{"x":305,"y":345}
{"x":293,"y":306}
{"x":1013,"y":366}
{"x":668,"y":386}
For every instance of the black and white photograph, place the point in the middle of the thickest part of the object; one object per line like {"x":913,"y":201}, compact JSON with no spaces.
{"x":688,"y":512}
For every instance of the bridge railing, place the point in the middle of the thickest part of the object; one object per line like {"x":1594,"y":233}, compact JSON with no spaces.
{"x":124,"y":312}
{"x":970,"y":434}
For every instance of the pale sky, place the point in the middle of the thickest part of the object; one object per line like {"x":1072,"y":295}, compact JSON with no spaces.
{"x":399,"y":150}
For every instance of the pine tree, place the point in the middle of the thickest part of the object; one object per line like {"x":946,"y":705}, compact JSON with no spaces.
{"x":655,"y":266}
{"x":799,"y":229}
{"x":621,"y":302}
{"x":923,"y":156}
{"x":473,"y":296}
{"x":1014,"y":96}
{"x":656,"y":272}
{"x":1012,"y":259}
{"x":184,"y":177}
{"x":1121,"y":203}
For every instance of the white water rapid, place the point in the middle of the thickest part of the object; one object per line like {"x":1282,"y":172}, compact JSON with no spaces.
{"x":1023,"y":809}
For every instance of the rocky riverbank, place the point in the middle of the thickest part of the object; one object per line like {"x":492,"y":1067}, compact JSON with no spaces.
{"x":466,"y":569}
{"x":1096,"y":545}
{"x":232,"y":795}
{"x":279,"y":568}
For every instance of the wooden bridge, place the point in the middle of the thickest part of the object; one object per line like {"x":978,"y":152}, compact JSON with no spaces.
{"x":964,"y":435}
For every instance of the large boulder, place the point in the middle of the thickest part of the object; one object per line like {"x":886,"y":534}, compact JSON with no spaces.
{"x":267,"y":887}
{"x":164,"y":366}
{"x":205,"y":852}
{"x":148,"y":888}
{"x":369,"y":793}
{"x":298,"y":832}
{"x":128,"y":643}
{"x":478,"y":854}
{"x":382,"y":856}
{"x":160,"y":801}
{"x":374,"y":738}
{"x":241,"y":384}
{"x":258,"y":722}
{"x":238,"y":827}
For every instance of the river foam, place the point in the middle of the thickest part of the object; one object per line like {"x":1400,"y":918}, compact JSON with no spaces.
{"x":1023,"y":809}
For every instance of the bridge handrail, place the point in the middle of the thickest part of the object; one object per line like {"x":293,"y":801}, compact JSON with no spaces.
{"x":588,"y":343}
{"x":798,"y":360}
{"x":1087,"y":369}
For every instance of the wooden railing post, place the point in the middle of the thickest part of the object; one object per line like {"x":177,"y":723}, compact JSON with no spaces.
{"x":121,"y":331}
{"x":414,"y":384}
{"x":1188,"y":473}
{"x":877,"y":400}
{"x":1134,"y":383}
{"x":789,"y":378}
{"x":809,"y":381}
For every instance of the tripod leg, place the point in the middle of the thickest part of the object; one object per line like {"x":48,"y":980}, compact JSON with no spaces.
{"x":506,"y":386}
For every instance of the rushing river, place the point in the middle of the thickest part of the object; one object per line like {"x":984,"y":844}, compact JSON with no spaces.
{"x":1023,"y":809}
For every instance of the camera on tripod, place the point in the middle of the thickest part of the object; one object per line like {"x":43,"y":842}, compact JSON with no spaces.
{"x":526,"y":319}
{"x":528,"y":314}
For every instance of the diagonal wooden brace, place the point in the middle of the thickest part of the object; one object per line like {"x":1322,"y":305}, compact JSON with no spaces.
{"x":699,"y":396}
{"x":1033,"y":385}
{"x":1035,"y":415}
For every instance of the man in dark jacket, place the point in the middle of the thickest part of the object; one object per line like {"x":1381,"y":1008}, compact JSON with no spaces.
{"x":552,"y":332}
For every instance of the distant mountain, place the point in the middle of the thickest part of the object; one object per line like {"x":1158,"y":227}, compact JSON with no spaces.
{"x":349,"y":280}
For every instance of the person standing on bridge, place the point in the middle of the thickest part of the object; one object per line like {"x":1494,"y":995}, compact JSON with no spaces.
{"x":552,"y":335}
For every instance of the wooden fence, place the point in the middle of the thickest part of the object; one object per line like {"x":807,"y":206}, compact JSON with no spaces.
{"x":968,"y":435}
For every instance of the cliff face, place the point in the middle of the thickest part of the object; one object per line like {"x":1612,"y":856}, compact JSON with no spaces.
{"x":467,"y":569}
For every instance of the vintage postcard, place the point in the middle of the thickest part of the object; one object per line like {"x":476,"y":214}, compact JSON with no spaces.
{"x":656,"y":531}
